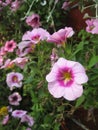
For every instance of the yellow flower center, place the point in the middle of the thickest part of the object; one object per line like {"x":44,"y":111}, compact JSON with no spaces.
{"x":3,"y":111}
{"x":67,"y":76}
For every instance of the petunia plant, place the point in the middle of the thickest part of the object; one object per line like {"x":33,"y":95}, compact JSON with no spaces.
{"x":48,"y":69}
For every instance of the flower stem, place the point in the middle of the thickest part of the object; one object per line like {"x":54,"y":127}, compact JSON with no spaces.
{"x":80,"y":124}
{"x":28,"y":10}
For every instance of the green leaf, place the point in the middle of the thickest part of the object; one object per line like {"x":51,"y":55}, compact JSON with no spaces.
{"x":80,"y":101}
{"x":80,"y":47}
{"x":93,"y":61}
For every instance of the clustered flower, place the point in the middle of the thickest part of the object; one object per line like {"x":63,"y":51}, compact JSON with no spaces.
{"x":66,"y":78}
{"x":13,"y":5}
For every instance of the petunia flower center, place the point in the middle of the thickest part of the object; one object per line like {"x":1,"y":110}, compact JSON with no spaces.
{"x":36,"y":38}
{"x":10,"y":45}
{"x":67,"y":76}
{"x":15,"y":79}
{"x":92,"y":27}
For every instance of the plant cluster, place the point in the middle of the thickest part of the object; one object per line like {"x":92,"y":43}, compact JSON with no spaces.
{"x":47,"y":69}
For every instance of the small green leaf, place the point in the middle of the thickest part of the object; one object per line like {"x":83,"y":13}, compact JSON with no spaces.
{"x":93,"y":61}
{"x":80,"y":101}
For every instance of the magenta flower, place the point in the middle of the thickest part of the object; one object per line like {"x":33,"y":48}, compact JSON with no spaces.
{"x":18,"y":113}
{"x":92,"y":26}
{"x":14,"y":98}
{"x":10,"y":46}
{"x":66,"y":79}
{"x":14,"y":80}
{"x":28,"y":119}
{"x":36,"y":35}
{"x":61,"y":36}
{"x":33,"y":20}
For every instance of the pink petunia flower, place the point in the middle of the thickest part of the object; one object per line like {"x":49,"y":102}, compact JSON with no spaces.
{"x":18,"y":113}
{"x":60,"y":37}
{"x":14,"y":79}
{"x":33,"y":20}
{"x":28,"y":119}
{"x":14,"y":98}
{"x":2,"y":51}
{"x":36,"y":35}
{"x":20,"y":62}
{"x":66,"y":79}
{"x":65,"y":5}
{"x":5,"y":120}
{"x":24,"y":48}
{"x":92,"y":26}
{"x":1,"y":60}
{"x":28,"y":129}
{"x":8,"y":64}
{"x":10,"y":46}
{"x":15,"y":5}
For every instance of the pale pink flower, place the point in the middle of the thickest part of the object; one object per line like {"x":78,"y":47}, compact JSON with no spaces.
{"x":15,"y":5}
{"x":24,"y":48}
{"x":18,"y":113}
{"x":66,"y":79}
{"x":33,"y":20}
{"x":36,"y":35}
{"x":10,"y":46}
{"x":54,"y":56}
{"x":1,"y":60}
{"x":28,"y":129}
{"x":8,"y":64}
{"x":5,"y":120}
{"x":2,"y":51}
{"x":28,"y":119}
{"x":20,"y":62}
{"x":60,"y":37}
{"x":92,"y":26}
{"x":14,"y":79}
{"x":14,"y":98}
{"x":8,"y":2}
{"x":65,"y":5}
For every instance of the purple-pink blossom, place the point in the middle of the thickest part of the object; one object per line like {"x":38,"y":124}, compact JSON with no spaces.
{"x":15,"y":98}
{"x":10,"y":46}
{"x":92,"y":26}
{"x":66,"y":79}
{"x":60,"y":37}
{"x":14,"y":79}
{"x":18,"y":113}
{"x":36,"y":35}
{"x":28,"y":119}
{"x":33,"y":20}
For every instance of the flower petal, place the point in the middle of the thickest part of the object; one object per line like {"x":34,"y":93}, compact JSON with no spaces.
{"x":80,"y":78}
{"x":73,"y":92}
{"x":56,"y":90}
